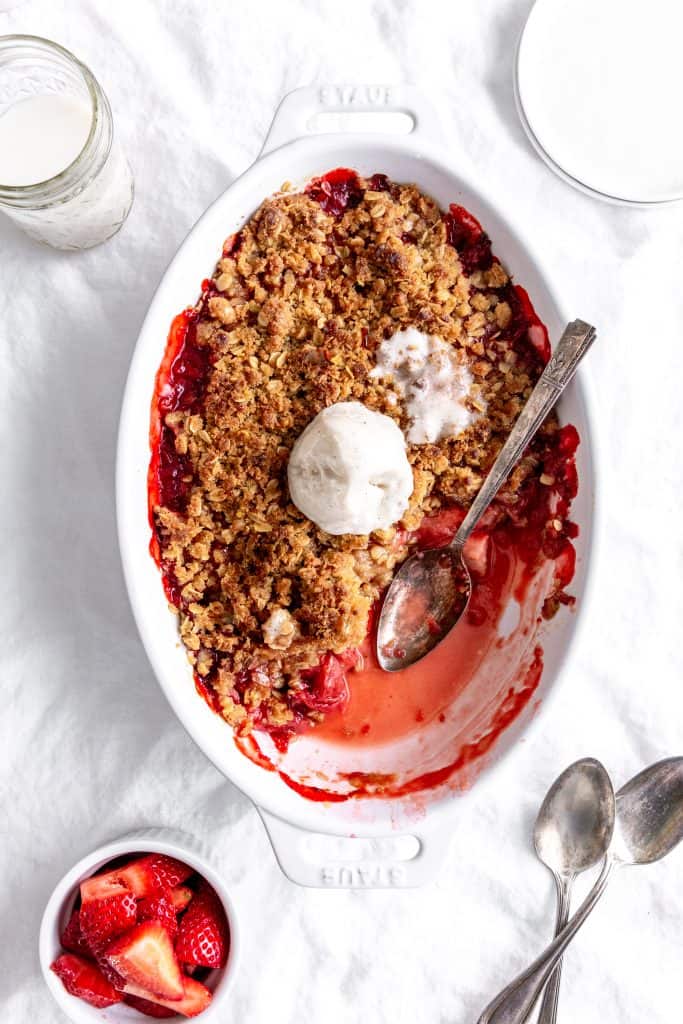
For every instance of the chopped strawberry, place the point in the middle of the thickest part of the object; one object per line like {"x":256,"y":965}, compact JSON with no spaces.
{"x":538,"y":338}
{"x":204,"y":935}
{"x":149,"y":1008}
{"x":436,"y":530}
{"x":195,"y":999}
{"x":154,"y":874}
{"x":525,"y":320}
{"x":72,"y":937}
{"x":83,"y":979}
{"x":565,"y":566}
{"x":144,"y":956}
{"x":101,"y":887}
{"x":104,"y":919}
{"x":147,"y":876}
{"x":476,"y":553}
{"x":325,"y":687}
{"x":351,"y":660}
{"x":159,"y":908}
{"x":465,"y":233}
{"x":181,"y":896}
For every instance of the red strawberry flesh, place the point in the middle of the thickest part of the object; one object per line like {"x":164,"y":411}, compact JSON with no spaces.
{"x":72,"y":938}
{"x":144,"y":956}
{"x":82,"y":978}
{"x":153,"y":875}
{"x":195,"y":999}
{"x":102,"y":887}
{"x":204,"y":935}
{"x":181,"y":896}
{"x":104,"y":920}
{"x":159,"y":908}
{"x":149,"y":1008}
{"x":150,"y":875}
{"x":326,"y":685}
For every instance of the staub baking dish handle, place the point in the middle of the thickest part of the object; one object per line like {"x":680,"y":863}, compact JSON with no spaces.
{"x":337,"y":109}
{"x":393,"y":861}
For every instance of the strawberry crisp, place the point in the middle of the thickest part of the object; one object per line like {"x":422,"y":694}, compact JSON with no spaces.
{"x":272,"y":610}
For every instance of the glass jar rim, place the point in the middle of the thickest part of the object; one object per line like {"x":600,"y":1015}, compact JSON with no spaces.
{"x":98,"y":102}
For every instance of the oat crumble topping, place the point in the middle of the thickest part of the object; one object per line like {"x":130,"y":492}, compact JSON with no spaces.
{"x":290,"y":323}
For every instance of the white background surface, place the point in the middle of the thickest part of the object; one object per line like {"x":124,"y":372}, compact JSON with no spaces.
{"x":89,"y":747}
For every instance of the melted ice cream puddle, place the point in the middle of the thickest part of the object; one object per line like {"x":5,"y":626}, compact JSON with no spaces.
{"x":432,"y":382}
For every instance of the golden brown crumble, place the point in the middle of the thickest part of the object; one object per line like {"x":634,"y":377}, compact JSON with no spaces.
{"x":291,"y":321}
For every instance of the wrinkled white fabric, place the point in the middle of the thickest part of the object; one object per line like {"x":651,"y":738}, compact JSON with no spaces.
{"x":89,"y":747}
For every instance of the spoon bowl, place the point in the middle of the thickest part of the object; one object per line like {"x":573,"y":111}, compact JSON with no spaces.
{"x":427,"y":597}
{"x":576,"y":820}
{"x":649,"y":822}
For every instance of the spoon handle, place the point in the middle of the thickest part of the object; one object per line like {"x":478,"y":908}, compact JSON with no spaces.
{"x":515,"y":1003}
{"x":548,"y":1012}
{"x":577,"y":338}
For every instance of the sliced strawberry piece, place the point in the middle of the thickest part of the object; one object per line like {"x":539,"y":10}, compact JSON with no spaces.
{"x":153,"y":875}
{"x":144,"y":956}
{"x":204,"y":935}
{"x":477,"y":552}
{"x":83,"y":979}
{"x":104,"y":919}
{"x":72,"y":937}
{"x":181,"y":896}
{"x":195,"y":999}
{"x":148,"y":1007}
{"x":161,"y":909}
{"x":101,"y":887}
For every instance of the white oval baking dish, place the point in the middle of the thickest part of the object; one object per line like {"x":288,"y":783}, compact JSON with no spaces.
{"x":312,"y":840}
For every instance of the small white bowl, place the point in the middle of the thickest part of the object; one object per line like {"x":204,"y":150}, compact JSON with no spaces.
{"x":60,"y":905}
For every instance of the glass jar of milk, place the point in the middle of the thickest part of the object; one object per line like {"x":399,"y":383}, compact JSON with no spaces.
{"x":63,"y":177}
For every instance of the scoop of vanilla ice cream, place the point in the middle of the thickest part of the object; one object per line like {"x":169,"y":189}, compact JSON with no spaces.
{"x":349,"y":471}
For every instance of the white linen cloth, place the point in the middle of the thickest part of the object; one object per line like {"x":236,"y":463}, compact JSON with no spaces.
{"x":89,"y":747}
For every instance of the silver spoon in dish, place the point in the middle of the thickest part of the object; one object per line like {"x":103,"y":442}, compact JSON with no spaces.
{"x":648,"y":825}
{"x":572,"y":833}
{"x":431,"y":590}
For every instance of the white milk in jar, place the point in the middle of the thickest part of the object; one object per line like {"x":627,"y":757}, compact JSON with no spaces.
{"x":63,"y":177}
{"x":40,"y":136}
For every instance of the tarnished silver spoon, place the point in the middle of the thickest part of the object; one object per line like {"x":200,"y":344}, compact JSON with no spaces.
{"x":572,"y":833}
{"x":648,"y":825}
{"x":432,"y":588}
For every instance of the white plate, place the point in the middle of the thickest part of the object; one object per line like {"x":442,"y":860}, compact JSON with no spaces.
{"x":599,"y":85}
{"x":416,"y":158}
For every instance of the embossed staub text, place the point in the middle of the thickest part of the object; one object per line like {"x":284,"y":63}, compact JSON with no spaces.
{"x":363,"y":876}
{"x":355,"y":95}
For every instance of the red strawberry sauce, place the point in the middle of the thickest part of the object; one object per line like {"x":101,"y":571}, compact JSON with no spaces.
{"x":365,"y":706}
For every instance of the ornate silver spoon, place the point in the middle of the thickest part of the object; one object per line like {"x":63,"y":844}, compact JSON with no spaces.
{"x":432,"y":588}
